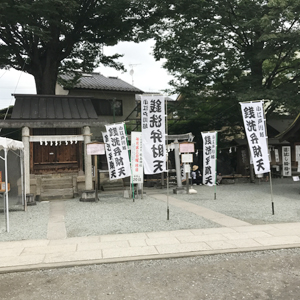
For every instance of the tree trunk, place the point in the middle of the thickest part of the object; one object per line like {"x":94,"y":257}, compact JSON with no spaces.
{"x":256,"y":65}
{"x":44,"y":68}
{"x":45,"y":79}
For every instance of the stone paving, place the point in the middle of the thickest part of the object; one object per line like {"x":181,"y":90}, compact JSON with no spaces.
{"x":59,"y":251}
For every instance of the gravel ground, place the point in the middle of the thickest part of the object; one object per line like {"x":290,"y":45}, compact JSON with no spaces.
{"x":29,"y":225}
{"x":262,"y":275}
{"x":252,"y":202}
{"x":115,"y":214}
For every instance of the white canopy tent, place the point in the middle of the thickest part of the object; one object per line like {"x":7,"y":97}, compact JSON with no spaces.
{"x":6,"y":145}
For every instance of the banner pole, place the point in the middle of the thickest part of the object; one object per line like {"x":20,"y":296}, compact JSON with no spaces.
{"x":129,"y":153}
{"x":271,"y":185}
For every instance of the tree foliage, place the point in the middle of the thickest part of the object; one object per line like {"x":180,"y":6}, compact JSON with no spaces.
{"x":45,"y":37}
{"x":226,"y":51}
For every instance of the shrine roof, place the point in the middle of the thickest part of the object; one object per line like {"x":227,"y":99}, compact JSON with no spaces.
{"x":292,"y":132}
{"x":51,"y":107}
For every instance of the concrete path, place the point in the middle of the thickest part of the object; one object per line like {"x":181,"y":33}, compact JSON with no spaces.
{"x":202,"y":211}
{"x":56,"y":224}
{"x":60,"y":251}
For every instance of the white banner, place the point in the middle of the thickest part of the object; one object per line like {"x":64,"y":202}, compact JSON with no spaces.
{"x":297,"y":156}
{"x":254,"y":124}
{"x":286,"y":161}
{"x":276,"y":155}
{"x":185,"y":168}
{"x":119,"y":150}
{"x":209,"y":157}
{"x":297,"y":151}
{"x":137,"y":157}
{"x":153,"y":134}
{"x":109,"y":157}
{"x":244,"y":156}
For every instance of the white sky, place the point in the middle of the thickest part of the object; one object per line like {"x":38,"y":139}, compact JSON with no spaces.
{"x":148,"y":75}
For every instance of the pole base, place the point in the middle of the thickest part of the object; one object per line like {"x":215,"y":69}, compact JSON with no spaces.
{"x":30,"y":199}
{"x":180,"y":190}
{"x":88,"y":196}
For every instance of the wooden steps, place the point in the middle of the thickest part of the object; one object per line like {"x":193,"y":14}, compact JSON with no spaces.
{"x":56,"y":186}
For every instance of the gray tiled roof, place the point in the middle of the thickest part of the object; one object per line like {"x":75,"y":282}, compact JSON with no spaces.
{"x":96,"y":81}
{"x":44,"y":107}
{"x":138,"y":97}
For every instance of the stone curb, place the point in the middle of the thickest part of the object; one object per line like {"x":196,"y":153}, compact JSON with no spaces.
{"x":44,"y":266}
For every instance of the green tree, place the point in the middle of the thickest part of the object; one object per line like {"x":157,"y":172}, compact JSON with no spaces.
{"x":226,"y":51}
{"x":45,"y":37}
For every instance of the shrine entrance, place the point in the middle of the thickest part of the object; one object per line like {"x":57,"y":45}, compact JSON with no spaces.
{"x":53,"y":154}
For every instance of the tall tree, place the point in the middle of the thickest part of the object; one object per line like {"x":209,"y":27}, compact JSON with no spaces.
{"x":227,"y":51}
{"x":45,"y":37}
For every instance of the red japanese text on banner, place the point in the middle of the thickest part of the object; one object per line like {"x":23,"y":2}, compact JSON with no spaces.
{"x":137,"y":157}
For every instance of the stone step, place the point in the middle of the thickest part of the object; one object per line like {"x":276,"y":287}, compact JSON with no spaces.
{"x":64,"y":193}
{"x":55,"y":176}
{"x":112,"y":188}
{"x":57,"y":183}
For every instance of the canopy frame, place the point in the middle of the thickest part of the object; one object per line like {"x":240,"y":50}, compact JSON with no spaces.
{"x":7,"y":144}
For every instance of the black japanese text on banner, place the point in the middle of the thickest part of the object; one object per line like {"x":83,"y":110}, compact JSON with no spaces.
{"x":254,"y":124}
{"x":209,"y":157}
{"x":286,"y":161}
{"x":109,"y":157}
{"x":119,"y":150}
{"x":153,"y":134}
{"x":137,"y":157}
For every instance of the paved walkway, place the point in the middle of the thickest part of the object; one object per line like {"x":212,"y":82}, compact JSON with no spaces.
{"x":59,"y":251}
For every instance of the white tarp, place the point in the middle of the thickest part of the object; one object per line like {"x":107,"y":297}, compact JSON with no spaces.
{"x":10,"y":144}
{"x":254,"y":123}
{"x":153,"y":134}
{"x":6,"y":145}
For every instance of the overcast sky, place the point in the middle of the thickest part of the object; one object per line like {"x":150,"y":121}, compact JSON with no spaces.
{"x":148,"y":75}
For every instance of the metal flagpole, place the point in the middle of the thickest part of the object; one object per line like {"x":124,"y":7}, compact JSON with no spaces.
{"x":168,"y":209}
{"x":270,"y":175}
{"x":6,"y":192}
